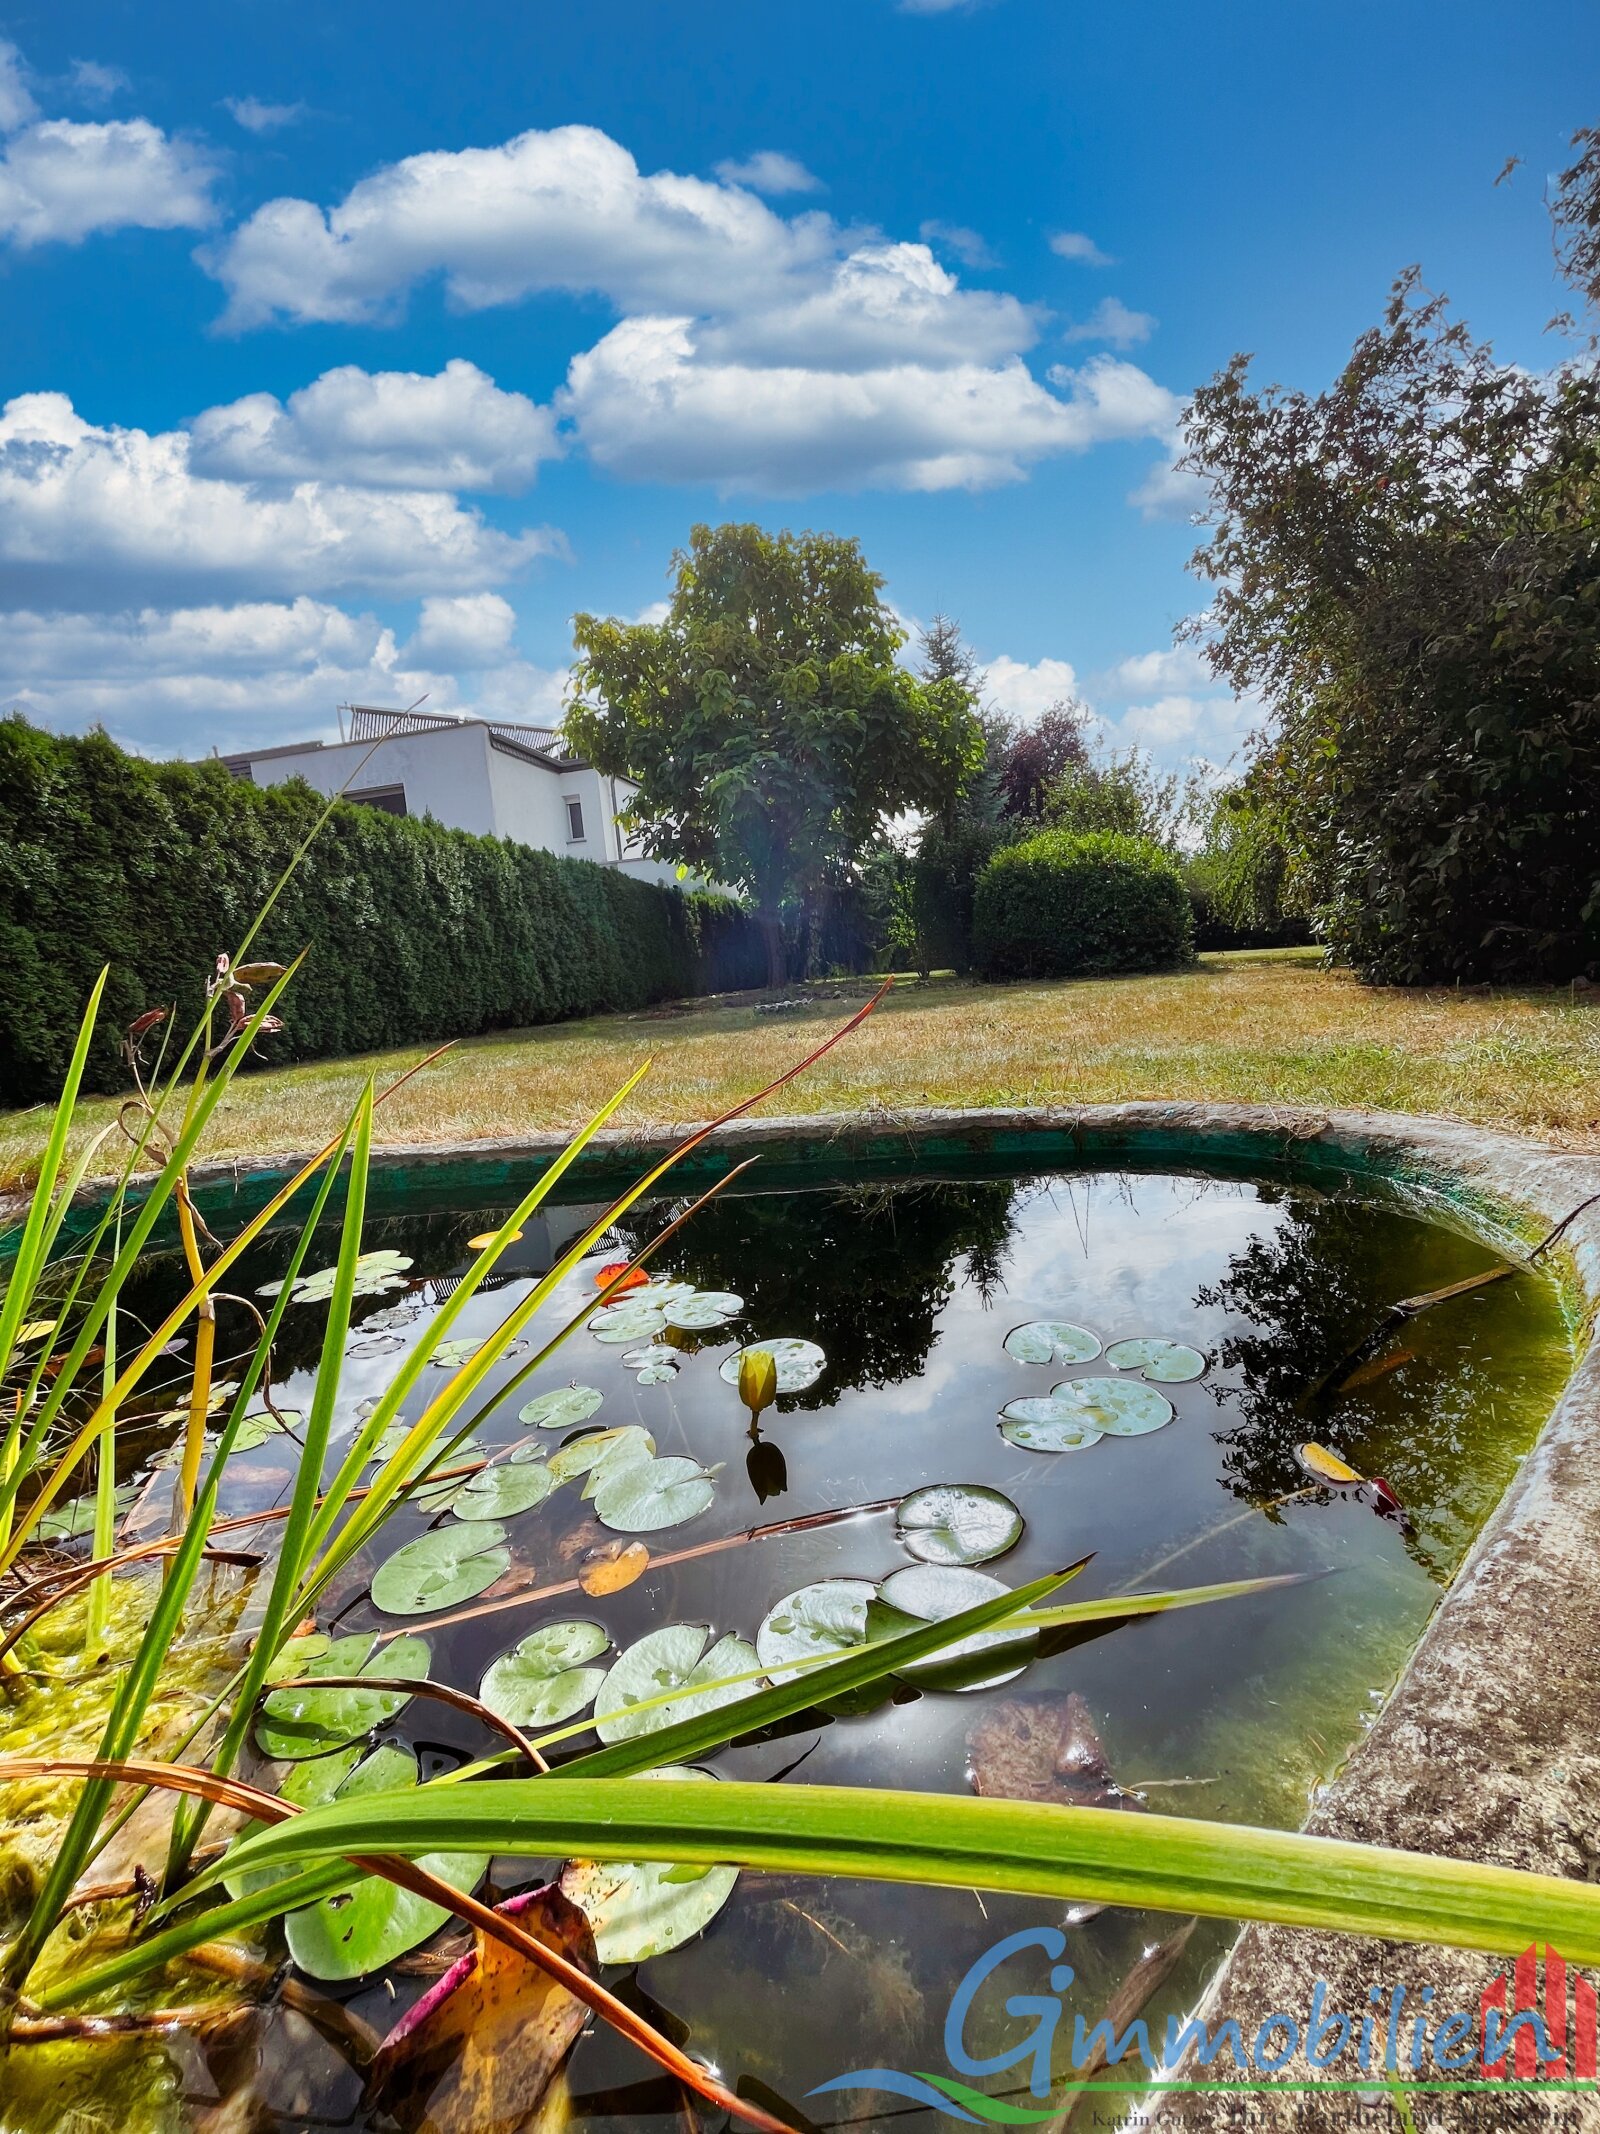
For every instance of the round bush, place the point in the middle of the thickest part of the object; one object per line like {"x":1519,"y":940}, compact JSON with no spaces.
{"x":1068,"y":904}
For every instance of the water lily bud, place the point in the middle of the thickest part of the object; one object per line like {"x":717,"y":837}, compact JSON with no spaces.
{"x":758,"y":1379}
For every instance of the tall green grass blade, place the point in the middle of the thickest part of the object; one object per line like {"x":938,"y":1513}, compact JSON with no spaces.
{"x":1096,"y":1855}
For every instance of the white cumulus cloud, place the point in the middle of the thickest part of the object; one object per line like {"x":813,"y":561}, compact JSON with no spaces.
{"x":99,"y":517}
{"x":769,"y":170}
{"x":1023,"y":689}
{"x":463,"y":630}
{"x":393,"y":429}
{"x":258,"y":117}
{"x":1112,"y":321}
{"x":969,"y":246}
{"x":1075,"y":245}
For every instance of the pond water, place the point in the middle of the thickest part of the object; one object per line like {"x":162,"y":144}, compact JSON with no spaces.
{"x":1237,"y":1711}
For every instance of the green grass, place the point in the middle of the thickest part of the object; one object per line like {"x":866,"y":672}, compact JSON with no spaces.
{"x":1267,"y":1027}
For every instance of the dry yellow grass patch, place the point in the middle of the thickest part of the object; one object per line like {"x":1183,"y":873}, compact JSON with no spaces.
{"x":1264,"y":1028}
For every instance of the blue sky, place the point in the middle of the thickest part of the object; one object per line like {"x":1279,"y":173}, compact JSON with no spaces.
{"x":347,"y":352}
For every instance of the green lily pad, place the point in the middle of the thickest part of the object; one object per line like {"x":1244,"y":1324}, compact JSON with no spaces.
{"x":1121,"y":1407}
{"x":297,"y":1722}
{"x":256,"y":1429}
{"x":367,"y":1926}
{"x":632,"y":1321}
{"x":451,"y":1355}
{"x":660,"y":1291}
{"x":703,"y":1309}
{"x":643,"y":1496}
{"x":799,"y":1363}
{"x":543,"y":1680}
{"x":643,"y":1908}
{"x":562,"y":1408}
{"x":1170,"y":1363}
{"x":1052,"y":1341}
{"x":66,"y":1522}
{"x":829,"y":1616}
{"x":628,"y":1441}
{"x":930,"y":1592}
{"x":497,"y":1492}
{"x":454,"y":1563}
{"x":682,"y":1657}
{"x":1047,"y":1425}
{"x":957,"y":1522}
{"x":655,"y":1364}
{"x":375,"y":1273}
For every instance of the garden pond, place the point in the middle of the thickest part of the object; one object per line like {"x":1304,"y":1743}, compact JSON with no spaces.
{"x":1120,"y":1365}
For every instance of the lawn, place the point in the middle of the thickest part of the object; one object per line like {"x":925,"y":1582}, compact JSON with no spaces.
{"x":1264,"y":1028}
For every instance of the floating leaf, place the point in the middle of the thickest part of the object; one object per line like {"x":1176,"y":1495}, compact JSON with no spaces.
{"x":66,"y":1522}
{"x":562,"y":1408}
{"x":376,"y":1345}
{"x":1047,"y":1425}
{"x":799,"y":1363}
{"x":643,"y":1908}
{"x":622,"y":1274}
{"x":1171,"y":1363}
{"x":957,"y":1522}
{"x":450,"y":1355}
{"x":300,"y":1721}
{"x":497,"y":1492}
{"x":256,"y":1429}
{"x":486,"y":1238}
{"x":544,"y":1680}
{"x":633,"y":1321}
{"x":663,"y":1290}
{"x":368,"y":1926}
{"x":703,"y":1309}
{"x":390,"y":1442}
{"x":375,"y":1273}
{"x":653,"y":1365}
{"x":392,"y":1318}
{"x":1324,"y":1465}
{"x":34,"y":1330}
{"x":612,"y":1566}
{"x":642,"y":1496}
{"x":1121,"y":1407}
{"x":294,"y":1656}
{"x":677,"y":1657}
{"x":829,"y":1616}
{"x":455,"y":1563}
{"x":478,"y":2053}
{"x":1052,"y":1341}
{"x":628,"y":1441}
{"x":930,"y":1592}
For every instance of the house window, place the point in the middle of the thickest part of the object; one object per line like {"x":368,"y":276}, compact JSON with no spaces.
{"x":390,"y":798}
{"x":574,"y":822}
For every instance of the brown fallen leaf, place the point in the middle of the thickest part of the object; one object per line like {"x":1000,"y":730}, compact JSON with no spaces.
{"x":1027,"y":1751}
{"x":479,"y":2052}
{"x":609,"y":1569}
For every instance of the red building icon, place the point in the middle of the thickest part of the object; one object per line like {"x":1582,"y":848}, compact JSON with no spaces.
{"x":1570,"y":2021}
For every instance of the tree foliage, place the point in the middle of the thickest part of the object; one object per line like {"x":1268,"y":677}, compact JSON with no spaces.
{"x":767,"y":722}
{"x":1407,"y":571}
{"x":1118,"y":792}
{"x":1036,"y":757}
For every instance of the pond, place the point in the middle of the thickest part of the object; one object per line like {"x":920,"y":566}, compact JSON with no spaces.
{"x":909,"y":1290}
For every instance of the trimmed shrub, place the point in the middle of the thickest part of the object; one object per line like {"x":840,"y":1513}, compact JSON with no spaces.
{"x":413,"y":932}
{"x":1069,"y":904}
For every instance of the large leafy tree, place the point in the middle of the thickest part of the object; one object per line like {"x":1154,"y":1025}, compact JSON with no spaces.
{"x":1407,"y":572}
{"x":767,"y":722}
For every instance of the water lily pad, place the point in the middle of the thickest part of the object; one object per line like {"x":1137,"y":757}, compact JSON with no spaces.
{"x":544,"y":1679}
{"x":634,"y":1320}
{"x":562,"y":1408}
{"x":643,"y":1908}
{"x":800,"y":1363}
{"x":451,"y":1355}
{"x":654,"y":1365}
{"x":497,"y":1492}
{"x":703,"y":1309}
{"x":298,"y":1721}
{"x":612,"y":1566}
{"x":642,"y":1496}
{"x":392,"y":1318}
{"x":1047,"y":1425}
{"x":454,"y":1563}
{"x":376,"y":1345}
{"x":681,"y":1656}
{"x":1170,"y":1363}
{"x":829,"y":1616}
{"x":375,"y":1273}
{"x":256,"y":1429}
{"x":1121,"y":1407}
{"x":368,"y":1926}
{"x":957,"y":1522}
{"x":66,"y":1522}
{"x":628,"y":1441}
{"x":661,"y":1290}
{"x":930,"y":1592}
{"x":1052,"y":1341}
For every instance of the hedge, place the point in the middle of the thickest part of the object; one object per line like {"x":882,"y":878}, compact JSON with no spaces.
{"x":1067,"y":904}
{"x":413,"y":932}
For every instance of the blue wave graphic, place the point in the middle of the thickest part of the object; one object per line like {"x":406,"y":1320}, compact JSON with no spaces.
{"x":899,"y":2085}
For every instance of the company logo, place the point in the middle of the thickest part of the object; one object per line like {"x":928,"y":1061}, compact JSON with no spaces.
{"x":1515,"y":2037}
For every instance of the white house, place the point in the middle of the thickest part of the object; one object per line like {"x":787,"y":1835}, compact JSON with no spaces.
{"x":492,"y":776}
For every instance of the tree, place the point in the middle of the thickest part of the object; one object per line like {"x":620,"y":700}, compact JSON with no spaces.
{"x":1037,"y":755}
{"x":1407,"y":571}
{"x":769,"y":727}
{"x":1121,"y":793}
